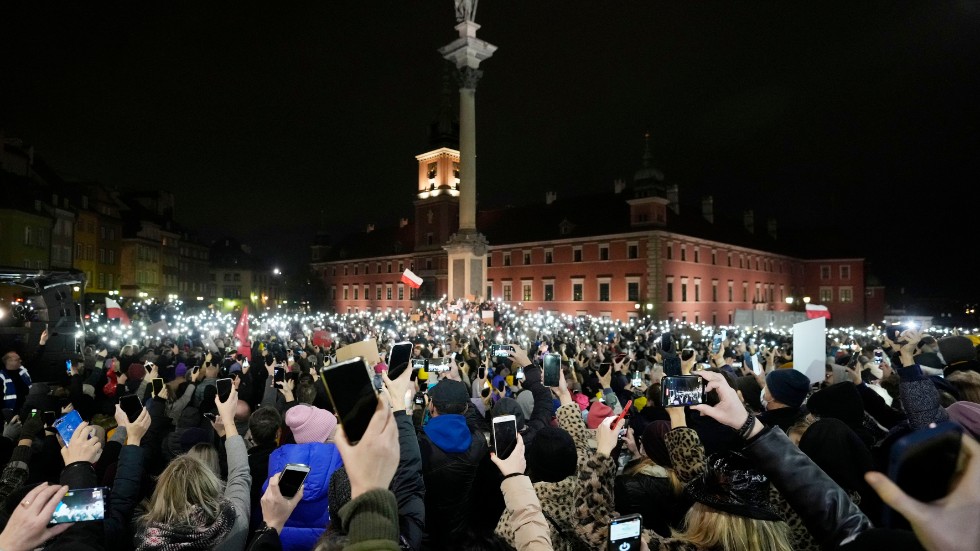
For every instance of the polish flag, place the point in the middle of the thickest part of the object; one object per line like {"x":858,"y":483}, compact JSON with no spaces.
{"x":114,"y":311}
{"x":409,"y":278}
{"x":814,"y":311}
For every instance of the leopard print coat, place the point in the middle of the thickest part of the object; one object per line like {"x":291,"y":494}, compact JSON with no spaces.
{"x":594,"y":501}
{"x":555,"y":497}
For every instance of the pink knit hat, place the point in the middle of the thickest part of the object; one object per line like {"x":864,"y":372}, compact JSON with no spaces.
{"x":310,"y":424}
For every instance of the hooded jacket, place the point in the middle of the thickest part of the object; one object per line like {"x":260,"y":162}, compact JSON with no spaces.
{"x":451,"y":457}
{"x":312,"y":515}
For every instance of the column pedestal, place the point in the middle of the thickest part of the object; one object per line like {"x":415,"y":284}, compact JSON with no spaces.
{"x":467,"y":252}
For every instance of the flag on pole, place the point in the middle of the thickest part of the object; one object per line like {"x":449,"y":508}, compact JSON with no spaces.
{"x":241,"y":333}
{"x":409,"y":278}
{"x":114,"y":311}
{"x":814,"y":311}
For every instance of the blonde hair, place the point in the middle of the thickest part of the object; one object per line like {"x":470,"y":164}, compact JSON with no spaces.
{"x":968,"y":383}
{"x":185,"y":483}
{"x":799,"y":428}
{"x":675,"y":482}
{"x":708,"y":528}
{"x":208,"y":454}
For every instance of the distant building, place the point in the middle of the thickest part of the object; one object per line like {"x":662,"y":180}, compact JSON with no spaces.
{"x":633,"y":250}
{"x":237,"y":276}
{"x":126,"y":244}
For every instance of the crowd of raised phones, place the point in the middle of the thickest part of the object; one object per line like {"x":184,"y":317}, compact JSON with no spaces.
{"x":556,"y":438}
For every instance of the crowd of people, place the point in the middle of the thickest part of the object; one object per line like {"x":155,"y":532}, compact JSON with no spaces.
{"x":760,"y":456}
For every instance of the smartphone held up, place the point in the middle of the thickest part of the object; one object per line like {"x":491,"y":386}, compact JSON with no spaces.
{"x":81,"y":505}
{"x":292,"y":478}
{"x":624,"y":532}
{"x":224,"y":387}
{"x":350,"y":388}
{"x":504,"y":435}
{"x":551,"y":368}
{"x":682,"y":390}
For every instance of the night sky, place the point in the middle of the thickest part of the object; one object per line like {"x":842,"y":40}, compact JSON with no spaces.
{"x":269,"y":119}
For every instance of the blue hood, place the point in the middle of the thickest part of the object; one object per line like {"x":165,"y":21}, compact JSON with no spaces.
{"x":449,"y":433}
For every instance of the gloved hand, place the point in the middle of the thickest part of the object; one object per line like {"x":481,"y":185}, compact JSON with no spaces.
{"x":11,"y":429}
{"x":31,"y":427}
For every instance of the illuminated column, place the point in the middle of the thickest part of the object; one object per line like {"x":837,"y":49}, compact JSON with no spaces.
{"x":467,"y":248}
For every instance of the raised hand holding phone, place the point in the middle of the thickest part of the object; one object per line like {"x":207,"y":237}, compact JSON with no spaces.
{"x":28,"y":527}
{"x":276,"y":507}
{"x":372,"y":463}
{"x":606,"y":437}
{"x":729,"y":410}
{"x":83,"y":446}
{"x":136,"y":429}
{"x":401,"y":389}
{"x":561,"y":391}
{"x":226,"y":409}
{"x":622,"y":414}
{"x":515,"y":463}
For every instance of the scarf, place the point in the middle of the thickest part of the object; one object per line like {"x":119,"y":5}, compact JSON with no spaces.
{"x":168,"y":537}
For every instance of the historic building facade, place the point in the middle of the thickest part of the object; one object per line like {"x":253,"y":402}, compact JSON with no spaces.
{"x":648,"y":254}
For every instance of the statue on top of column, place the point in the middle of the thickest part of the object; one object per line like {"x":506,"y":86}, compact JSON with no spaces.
{"x":465,"y":10}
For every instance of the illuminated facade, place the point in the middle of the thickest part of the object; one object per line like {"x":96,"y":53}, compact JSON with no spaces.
{"x":647,"y":253}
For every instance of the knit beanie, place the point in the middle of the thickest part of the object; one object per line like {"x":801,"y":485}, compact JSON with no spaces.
{"x":957,"y":348}
{"x":597,"y":413}
{"x":181,"y":370}
{"x":310,"y":423}
{"x":551,"y":455}
{"x":509,"y":406}
{"x":136,"y":372}
{"x":526,"y":400}
{"x":788,"y":386}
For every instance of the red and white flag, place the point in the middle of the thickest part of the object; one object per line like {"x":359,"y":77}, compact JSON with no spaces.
{"x":814,"y":311}
{"x":114,"y":311}
{"x":409,"y":278}
{"x":241,"y":333}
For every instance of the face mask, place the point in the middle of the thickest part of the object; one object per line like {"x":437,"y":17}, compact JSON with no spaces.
{"x":762,"y":400}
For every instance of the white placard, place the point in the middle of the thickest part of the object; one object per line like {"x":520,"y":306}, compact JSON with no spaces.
{"x":810,"y":348}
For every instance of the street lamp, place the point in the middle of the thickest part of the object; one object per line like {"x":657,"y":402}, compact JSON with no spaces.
{"x":789,"y":301}
{"x":806,"y":300}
